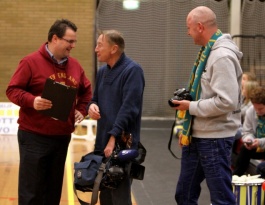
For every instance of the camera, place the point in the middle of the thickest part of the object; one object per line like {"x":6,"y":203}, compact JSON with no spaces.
{"x":180,"y":94}
{"x":136,"y":171}
{"x":116,"y":171}
{"x":113,"y":175}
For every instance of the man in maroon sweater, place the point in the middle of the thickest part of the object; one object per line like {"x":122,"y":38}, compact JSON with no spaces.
{"x":43,"y":141}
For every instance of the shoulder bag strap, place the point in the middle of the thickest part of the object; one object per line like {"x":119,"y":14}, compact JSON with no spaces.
{"x":94,"y":198}
{"x":80,"y":201}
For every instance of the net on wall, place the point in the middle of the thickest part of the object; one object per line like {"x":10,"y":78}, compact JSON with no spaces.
{"x":252,"y":38}
{"x":156,"y":37}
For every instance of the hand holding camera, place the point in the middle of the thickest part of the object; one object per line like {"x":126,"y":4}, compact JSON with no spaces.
{"x":180,"y":94}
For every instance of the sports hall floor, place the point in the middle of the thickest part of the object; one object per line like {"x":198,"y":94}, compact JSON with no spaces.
{"x":157,"y":188}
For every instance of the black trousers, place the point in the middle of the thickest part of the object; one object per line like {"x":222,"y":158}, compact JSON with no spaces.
{"x":243,"y":159}
{"x":41,"y":168}
{"x":119,"y":196}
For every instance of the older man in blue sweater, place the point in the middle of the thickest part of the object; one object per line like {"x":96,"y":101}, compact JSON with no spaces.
{"x":116,"y":104}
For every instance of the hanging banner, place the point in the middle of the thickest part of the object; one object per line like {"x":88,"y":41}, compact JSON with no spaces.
{"x":8,"y":118}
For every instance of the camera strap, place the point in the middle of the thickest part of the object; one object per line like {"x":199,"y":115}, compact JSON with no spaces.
{"x":171,"y":136}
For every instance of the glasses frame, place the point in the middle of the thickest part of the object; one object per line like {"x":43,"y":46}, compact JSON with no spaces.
{"x":69,"y":41}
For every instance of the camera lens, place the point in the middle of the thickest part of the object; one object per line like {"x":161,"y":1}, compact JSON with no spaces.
{"x":171,"y":104}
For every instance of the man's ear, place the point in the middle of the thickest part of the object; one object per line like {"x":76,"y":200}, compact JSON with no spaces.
{"x":114,"y":49}
{"x":55,"y":38}
{"x":200,"y":27}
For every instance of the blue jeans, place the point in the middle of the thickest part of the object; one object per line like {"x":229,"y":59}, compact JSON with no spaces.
{"x":208,"y":159}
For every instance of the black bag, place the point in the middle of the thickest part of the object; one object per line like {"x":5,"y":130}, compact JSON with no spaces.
{"x":95,"y":172}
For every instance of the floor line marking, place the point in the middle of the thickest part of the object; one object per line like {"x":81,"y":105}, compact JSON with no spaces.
{"x":69,"y":177}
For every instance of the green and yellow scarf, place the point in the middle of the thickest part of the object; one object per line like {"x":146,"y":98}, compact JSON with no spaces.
{"x":260,"y":130}
{"x":195,"y":86}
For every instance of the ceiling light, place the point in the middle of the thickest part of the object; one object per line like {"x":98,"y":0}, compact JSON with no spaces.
{"x":131,"y":4}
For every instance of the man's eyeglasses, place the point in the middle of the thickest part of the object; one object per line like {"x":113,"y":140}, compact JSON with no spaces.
{"x":70,"y":41}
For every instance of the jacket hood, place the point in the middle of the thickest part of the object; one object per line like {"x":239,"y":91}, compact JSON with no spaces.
{"x":44,"y":53}
{"x":226,"y":41}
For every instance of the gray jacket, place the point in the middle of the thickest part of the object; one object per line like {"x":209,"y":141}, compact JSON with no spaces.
{"x":250,"y":125}
{"x":217,"y":113}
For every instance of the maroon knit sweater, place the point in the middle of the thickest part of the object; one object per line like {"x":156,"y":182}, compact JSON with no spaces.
{"x":28,"y":82}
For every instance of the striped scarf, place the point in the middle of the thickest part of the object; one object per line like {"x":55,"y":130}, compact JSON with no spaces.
{"x":195,"y":86}
{"x":260,"y":131}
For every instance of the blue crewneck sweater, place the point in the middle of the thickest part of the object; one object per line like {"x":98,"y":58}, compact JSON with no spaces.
{"x":119,"y":95}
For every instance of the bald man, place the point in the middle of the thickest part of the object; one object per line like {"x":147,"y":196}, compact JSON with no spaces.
{"x":213,"y":117}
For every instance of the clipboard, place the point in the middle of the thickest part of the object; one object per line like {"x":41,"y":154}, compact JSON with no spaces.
{"x":62,"y":97}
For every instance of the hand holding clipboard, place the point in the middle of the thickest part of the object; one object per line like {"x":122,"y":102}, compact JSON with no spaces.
{"x":62,"y":98}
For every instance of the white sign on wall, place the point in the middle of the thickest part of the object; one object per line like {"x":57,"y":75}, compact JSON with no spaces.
{"x":8,"y":118}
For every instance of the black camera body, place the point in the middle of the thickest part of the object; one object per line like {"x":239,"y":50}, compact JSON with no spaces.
{"x":114,"y":174}
{"x":116,"y":170}
{"x":180,"y":94}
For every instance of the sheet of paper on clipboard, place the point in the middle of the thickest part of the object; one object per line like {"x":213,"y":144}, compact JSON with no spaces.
{"x":62,"y":98}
